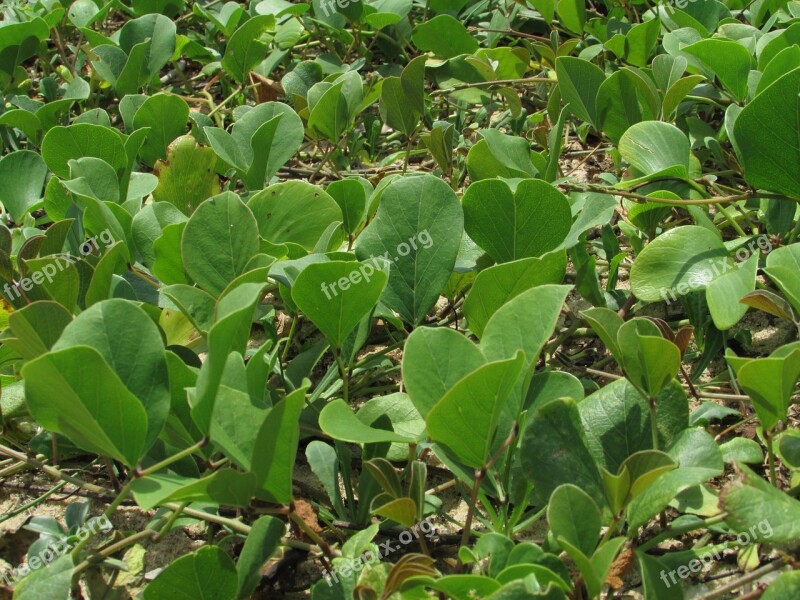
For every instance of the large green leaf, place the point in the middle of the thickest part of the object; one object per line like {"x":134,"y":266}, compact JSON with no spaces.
{"x":76,"y":393}
{"x":166,"y":116}
{"x":247,"y":47}
{"x":579,"y":81}
{"x":724,"y":293}
{"x":510,"y":226}
{"x":294,"y":211}
{"x":37,"y":326}
{"x":208,"y":574}
{"x":418,"y":229}
{"x":223,"y":486}
{"x":554,"y":452}
{"x":22,"y":177}
{"x":759,"y":509}
{"x":261,"y":543}
{"x":768,"y":137}
{"x":275,"y":449}
{"x":574,"y":516}
{"x":679,"y":261}
{"x":699,"y":459}
{"x":445,"y":36}
{"x":219,"y":240}
{"x":433,"y":361}
{"x":465,"y":420}
{"x":653,"y":147}
{"x":132,"y":346}
{"x":339,"y":422}
{"x":524,"y":323}
{"x":337,"y":295}
{"x":616,"y":420}
{"x":62,"y":144}
{"x":770,"y":383}
{"x":500,"y":283}
{"x":729,"y":60}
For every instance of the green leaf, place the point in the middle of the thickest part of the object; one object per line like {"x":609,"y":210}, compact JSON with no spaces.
{"x":37,"y":326}
{"x":329,"y":116}
{"x":434,"y":359}
{"x":654,"y":146}
{"x":418,"y":229}
{"x":168,"y":258}
{"x":786,"y":585}
{"x":396,"y":109}
{"x":405,"y":419}
{"x":53,"y":581}
{"x":219,"y":240}
{"x":574,"y":516}
{"x":769,"y":383}
{"x":148,"y":225}
{"x":338,"y":421}
{"x":699,"y":459}
{"x":498,"y":284}
{"x":579,"y":82}
{"x":760,"y":510}
{"x":742,"y":450}
{"x":627,"y":97}
{"x":206,"y":574}
{"x":640,"y":41}
{"x":337,"y":295}
{"x":158,"y":32}
{"x":22,"y":177}
{"x":524,"y":323}
{"x":557,"y":424}
{"x":439,"y":142}
{"x":166,"y":116}
{"x":234,"y":314}
{"x":275,"y":450}
{"x":500,"y":155}
{"x":261,"y":543}
{"x":351,"y":195}
{"x":679,"y":261}
{"x":465,"y":420}
{"x":76,"y":393}
{"x":509,"y":225}
{"x":247,"y":47}
{"x":236,"y":418}
{"x":729,"y":60}
{"x":445,"y":36}
{"x":724,"y":294}
{"x":616,"y":420}
{"x":62,"y":144}
{"x":572,"y":14}
{"x":294,"y":212}
{"x":131,"y":345}
{"x":650,"y":361}
{"x":223,"y":486}
{"x":767,"y":153}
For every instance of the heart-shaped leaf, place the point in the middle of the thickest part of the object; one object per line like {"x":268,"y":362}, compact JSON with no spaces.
{"x":336,"y":295}
{"x":512,"y":225}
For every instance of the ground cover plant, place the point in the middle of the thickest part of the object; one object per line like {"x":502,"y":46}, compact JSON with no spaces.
{"x":400,"y":299}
